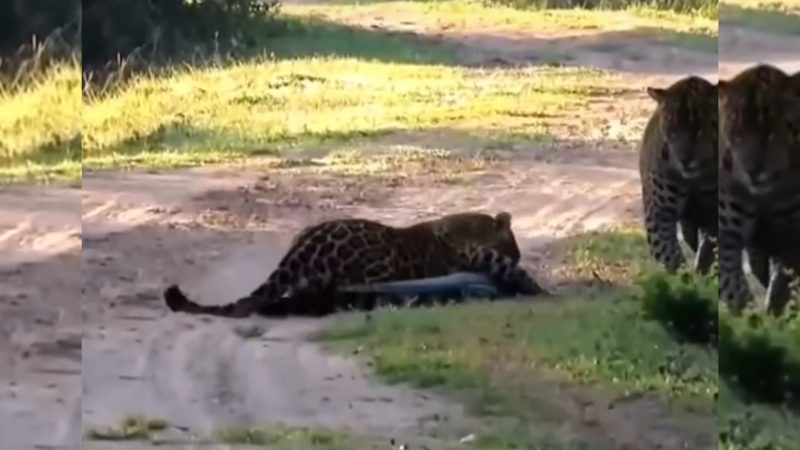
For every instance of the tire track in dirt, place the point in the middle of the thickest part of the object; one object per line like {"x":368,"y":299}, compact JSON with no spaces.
{"x":201,"y":373}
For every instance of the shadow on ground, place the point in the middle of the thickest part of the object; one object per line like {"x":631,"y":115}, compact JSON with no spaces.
{"x":307,"y":37}
{"x":767,"y":20}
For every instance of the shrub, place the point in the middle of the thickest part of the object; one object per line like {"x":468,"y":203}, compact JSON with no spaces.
{"x":23,"y":21}
{"x":113,"y":28}
{"x":760,"y":355}
{"x":686,"y":304}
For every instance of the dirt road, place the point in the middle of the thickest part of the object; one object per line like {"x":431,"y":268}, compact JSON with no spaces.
{"x":85,"y":338}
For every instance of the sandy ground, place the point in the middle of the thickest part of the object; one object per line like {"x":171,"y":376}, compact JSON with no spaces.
{"x":85,"y":338}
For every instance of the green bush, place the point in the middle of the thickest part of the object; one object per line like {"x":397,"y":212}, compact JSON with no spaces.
{"x":34,"y":36}
{"x":760,"y":355}
{"x":23,"y":21}
{"x":159,"y":28}
{"x":686,"y":304}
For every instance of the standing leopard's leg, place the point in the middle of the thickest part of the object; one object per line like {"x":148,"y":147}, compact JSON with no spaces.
{"x":502,"y":269}
{"x":778,"y":291}
{"x":704,"y":256}
{"x":759,"y":265}
{"x":690,"y":233}
{"x":661,"y":227}
{"x":734,"y":228}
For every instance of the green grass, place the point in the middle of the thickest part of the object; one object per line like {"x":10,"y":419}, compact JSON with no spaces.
{"x":615,"y":255}
{"x":324,"y":82}
{"x":496,"y":356}
{"x":760,"y":375}
{"x":781,"y":18}
{"x":40,"y":126}
{"x":216,"y":114}
{"x":285,"y":437}
{"x":583,"y":339}
{"x":755,"y":426}
{"x":659,"y":336}
{"x":759,"y":356}
{"x":502,"y":358}
{"x":274,"y":436}
{"x":130,"y":428}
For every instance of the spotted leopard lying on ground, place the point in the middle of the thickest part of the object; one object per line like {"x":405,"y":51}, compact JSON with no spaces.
{"x":346,"y":252}
{"x":678,"y":172}
{"x":759,"y":203}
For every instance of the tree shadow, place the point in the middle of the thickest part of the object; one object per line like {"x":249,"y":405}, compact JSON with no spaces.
{"x":771,"y":21}
{"x":295,"y":38}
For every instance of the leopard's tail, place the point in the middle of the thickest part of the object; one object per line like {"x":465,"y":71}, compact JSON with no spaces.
{"x":177,"y":301}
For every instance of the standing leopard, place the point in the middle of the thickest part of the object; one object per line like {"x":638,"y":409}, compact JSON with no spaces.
{"x":347,"y":252}
{"x":678,"y":172}
{"x":759,"y":182}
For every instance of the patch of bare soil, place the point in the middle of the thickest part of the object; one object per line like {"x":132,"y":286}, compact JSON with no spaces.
{"x":40,"y":322}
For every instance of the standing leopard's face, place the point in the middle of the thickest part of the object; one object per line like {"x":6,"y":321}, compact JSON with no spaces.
{"x":688,"y":122}
{"x":759,"y":116}
{"x":474,"y":229}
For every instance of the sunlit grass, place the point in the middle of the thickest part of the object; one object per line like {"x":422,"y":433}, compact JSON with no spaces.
{"x":40,"y":126}
{"x":267,"y":106}
{"x":327,"y":82}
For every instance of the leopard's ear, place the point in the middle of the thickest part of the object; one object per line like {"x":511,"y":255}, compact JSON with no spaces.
{"x":656,"y":94}
{"x":503,"y":221}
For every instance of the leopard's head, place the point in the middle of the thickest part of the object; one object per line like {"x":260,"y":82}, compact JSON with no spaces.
{"x":759,"y":125}
{"x":687,"y":118}
{"x":465,"y":229}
